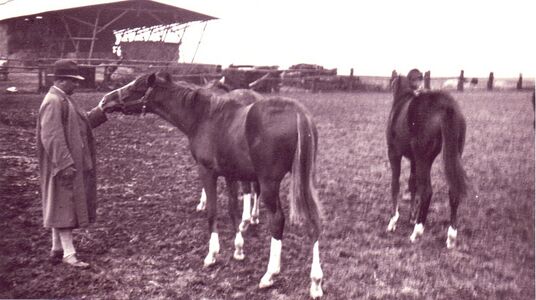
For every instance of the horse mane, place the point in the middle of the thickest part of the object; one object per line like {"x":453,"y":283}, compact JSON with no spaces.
{"x":191,"y":95}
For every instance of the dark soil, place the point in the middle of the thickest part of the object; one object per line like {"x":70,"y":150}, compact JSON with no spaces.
{"x":149,"y":241}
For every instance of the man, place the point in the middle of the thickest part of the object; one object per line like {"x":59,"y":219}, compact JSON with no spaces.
{"x":67,"y":162}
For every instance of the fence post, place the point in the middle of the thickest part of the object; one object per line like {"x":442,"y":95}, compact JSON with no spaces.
{"x":490,"y":81}
{"x":39,"y":80}
{"x":394,"y":75}
{"x":520,"y":82}
{"x":351,"y":80}
{"x":315,"y":85}
{"x":461,"y":81}
{"x":427,"y":80}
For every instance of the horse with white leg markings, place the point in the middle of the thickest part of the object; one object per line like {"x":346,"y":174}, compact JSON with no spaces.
{"x":249,"y":190}
{"x":281,"y":137}
{"x":420,"y":126}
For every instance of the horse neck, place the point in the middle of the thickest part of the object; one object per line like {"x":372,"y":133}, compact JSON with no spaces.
{"x":182,"y":108}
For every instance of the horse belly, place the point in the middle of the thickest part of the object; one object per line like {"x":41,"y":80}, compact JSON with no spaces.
{"x":232,"y":150}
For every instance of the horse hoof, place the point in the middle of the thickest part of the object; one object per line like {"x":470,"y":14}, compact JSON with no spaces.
{"x":392,"y":222}
{"x":316,"y":292}
{"x":418,"y":230}
{"x":239,"y":255}
{"x":266,"y":281}
{"x":209,"y":260}
{"x":200,"y":207}
{"x":254,"y":220}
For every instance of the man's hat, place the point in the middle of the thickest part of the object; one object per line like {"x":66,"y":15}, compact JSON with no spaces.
{"x":66,"y":68}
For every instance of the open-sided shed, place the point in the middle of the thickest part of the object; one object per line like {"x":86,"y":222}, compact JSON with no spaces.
{"x":85,"y":28}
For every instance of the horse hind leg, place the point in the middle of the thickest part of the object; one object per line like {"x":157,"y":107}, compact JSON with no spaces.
{"x":246,"y":209}
{"x":316,"y":273}
{"x":395,"y":161}
{"x":270,"y":197}
{"x":452,"y":232}
{"x":423,"y":197}
{"x":232,"y":187}
{"x":255,"y":211}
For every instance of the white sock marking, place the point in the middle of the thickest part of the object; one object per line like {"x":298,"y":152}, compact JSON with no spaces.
{"x":392,"y":222}
{"x":418,"y":230}
{"x":202,"y":201}
{"x":246,"y":213}
{"x":316,"y":274}
{"x":239,"y":247}
{"x":255,"y":211}
{"x":452,"y":234}
{"x":274,"y":264}
{"x":213,"y":249}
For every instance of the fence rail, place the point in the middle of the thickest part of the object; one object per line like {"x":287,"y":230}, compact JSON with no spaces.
{"x":36,"y":77}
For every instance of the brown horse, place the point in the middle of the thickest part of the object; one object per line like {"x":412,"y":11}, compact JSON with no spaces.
{"x":249,"y":190}
{"x":420,"y":126}
{"x":280,"y":135}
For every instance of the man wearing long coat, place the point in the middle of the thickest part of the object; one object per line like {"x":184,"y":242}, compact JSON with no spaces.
{"x":66,"y":153}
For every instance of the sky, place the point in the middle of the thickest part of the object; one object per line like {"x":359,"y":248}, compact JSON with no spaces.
{"x":371,"y":37}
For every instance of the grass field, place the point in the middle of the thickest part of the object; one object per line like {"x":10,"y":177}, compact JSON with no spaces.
{"x":149,"y":242}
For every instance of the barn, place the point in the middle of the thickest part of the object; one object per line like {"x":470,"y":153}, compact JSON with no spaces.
{"x":85,"y":29}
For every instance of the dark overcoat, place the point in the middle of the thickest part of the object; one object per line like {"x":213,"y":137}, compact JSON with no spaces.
{"x":64,"y":138}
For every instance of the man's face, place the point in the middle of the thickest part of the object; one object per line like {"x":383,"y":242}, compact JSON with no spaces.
{"x":68,"y":85}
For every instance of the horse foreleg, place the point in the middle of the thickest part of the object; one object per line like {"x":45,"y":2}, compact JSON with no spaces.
{"x":270,"y":196}
{"x":202,"y":201}
{"x":395,"y":161}
{"x":209,"y":182}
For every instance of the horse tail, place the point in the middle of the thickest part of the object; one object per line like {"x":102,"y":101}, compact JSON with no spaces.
{"x":304,"y":203}
{"x":453,"y":132}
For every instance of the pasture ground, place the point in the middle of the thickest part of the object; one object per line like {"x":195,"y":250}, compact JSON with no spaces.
{"x":149,"y":242}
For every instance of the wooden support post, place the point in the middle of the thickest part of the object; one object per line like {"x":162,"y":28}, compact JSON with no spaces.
{"x":461,"y":81}
{"x":94,"y":36}
{"x":519,"y":85}
{"x":490,"y":81}
{"x":427,"y":80}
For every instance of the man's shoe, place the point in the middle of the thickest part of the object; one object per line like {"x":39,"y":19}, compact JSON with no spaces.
{"x":55,"y":256}
{"x":73,"y":261}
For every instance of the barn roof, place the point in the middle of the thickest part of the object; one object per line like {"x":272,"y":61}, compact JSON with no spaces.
{"x":116,"y":14}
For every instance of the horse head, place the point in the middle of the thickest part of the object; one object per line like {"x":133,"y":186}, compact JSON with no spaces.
{"x":135,"y":96}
